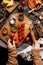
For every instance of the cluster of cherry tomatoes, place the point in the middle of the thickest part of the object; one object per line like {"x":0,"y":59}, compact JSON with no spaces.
{"x":21,"y":34}
{"x":14,"y":38}
{"x":21,"y":31}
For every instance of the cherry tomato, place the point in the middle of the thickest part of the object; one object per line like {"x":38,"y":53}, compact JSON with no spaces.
{"x":23,"y":36}
{"x":19,"y":30}
{"x":19,"y":34}
{"x":22,"y":29}
{"x":14,"y":38}
{"x":23,"y":3}
{"x":16,"y":42}
{"x":22,"y":25}
{"x":22,"y":32}
{"x":27,"y":38}
{"x":12,"y":34}
{"x":20,"y":38}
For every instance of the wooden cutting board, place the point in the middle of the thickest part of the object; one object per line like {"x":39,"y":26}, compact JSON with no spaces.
{"x":27,"y":22}
{"x":10,"y":9}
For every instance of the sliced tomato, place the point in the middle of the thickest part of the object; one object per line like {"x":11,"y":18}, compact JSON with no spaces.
{"x":38,"y":2}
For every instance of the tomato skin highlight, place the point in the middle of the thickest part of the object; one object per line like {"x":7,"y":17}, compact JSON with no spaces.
{"x":20,"y":38}
{"x":14,"y":38}
{"x":23,"y":3}
{"x":27,"y":39}
{"x":16,"y":42}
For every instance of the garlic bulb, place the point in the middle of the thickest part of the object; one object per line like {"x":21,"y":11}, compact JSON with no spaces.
{"x":11,"y":21}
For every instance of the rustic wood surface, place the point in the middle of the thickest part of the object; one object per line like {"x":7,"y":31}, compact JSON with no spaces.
{"x":33,"y":18}
{"x":27,"y":22}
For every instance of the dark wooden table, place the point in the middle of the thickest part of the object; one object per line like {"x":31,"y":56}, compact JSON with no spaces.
{"x":32,"y":17}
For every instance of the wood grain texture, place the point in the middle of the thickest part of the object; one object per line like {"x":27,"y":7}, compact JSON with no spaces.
{"x":10,"y":9}
{"x":27,"y":22}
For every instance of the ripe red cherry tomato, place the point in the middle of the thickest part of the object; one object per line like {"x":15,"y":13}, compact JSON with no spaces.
{"x":19,"y":30}
{"x":22,"y":25}
{"x":27,"y":39}
{"x":16,"y":42}
{"x":19,"y":34}
{"x":22,"y":32}
{"x":23,"y":36}
{"x":23,"y":3}
{"x":14,"y":38}
{"x":20,"y":38}
{"x":22,"y":29}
